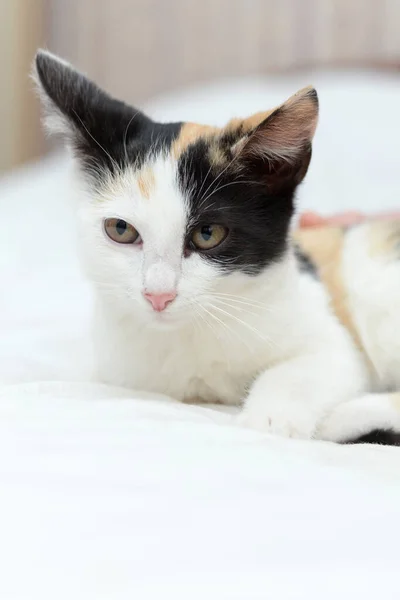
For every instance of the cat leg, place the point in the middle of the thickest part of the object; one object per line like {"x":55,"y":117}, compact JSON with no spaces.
{"x":292,"y":398}
{"x":362,"y":416}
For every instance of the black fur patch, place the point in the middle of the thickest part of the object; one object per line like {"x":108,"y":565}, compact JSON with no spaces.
{"x":106,"y":134}
{"x":383,"y":437}
{"x":305,"y":263}
{"x":257,"y":215}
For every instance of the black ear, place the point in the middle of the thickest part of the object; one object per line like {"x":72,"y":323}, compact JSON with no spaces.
{"x":95,"y":125}
{"x":277,"y":149}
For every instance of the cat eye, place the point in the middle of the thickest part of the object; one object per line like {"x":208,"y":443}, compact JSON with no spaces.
{"x":122,"y":232}
{"x":206,"y":237}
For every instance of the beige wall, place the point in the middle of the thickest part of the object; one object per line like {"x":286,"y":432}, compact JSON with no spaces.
{"x":21,"y":31}
{"x":138,"y":48}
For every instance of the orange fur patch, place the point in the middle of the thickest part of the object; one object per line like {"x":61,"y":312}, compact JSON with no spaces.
{"x":297,"y":124}
{"x":249,"y":123}
{"x":146,"y":182}
{"x":384,"y":238}
{"x":324,"y":245}
{"x":190,"y":133}
{"x":216,"y":156}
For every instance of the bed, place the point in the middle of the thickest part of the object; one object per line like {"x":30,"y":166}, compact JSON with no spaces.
{"x":111,"y":494}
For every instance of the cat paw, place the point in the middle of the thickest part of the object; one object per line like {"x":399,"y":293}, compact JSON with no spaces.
{"x":286,"y":421}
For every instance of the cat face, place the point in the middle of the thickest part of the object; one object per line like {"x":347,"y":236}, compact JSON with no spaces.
{"x":177,"y":215}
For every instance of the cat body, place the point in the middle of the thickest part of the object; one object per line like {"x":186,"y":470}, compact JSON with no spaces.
{"x":202,"y":292}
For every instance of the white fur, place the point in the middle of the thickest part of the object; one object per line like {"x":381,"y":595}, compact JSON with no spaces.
{"x":371,"y":278}
{"x":360,"y":416}
{"x":372,"y":282}
{"x":270,"y":341}
{"x":373,"y":289}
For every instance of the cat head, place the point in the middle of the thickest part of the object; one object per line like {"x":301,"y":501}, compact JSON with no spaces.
{"x":176,"y":214}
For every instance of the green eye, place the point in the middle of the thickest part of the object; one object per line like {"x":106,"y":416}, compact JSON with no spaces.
{"x":122,"y":232}
{"x":206,"y":237}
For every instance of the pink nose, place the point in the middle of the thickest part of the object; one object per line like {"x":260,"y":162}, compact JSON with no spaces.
{"x":160,"y":301}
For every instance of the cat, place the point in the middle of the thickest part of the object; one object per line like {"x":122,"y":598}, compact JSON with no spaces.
{"x":204,"y":290}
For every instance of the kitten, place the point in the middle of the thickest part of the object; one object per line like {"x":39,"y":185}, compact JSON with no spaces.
{"x":202,"y":294}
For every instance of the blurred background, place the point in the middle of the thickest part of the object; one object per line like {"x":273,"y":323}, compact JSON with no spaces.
{"x":139,"y":48}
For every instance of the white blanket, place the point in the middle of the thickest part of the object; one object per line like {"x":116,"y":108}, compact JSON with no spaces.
{"x":114,"y":495}
{"x":106,"y":496}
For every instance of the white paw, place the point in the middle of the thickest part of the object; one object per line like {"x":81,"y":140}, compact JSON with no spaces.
{"x":284,"y":419}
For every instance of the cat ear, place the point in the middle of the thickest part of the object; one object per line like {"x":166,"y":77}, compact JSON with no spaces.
{"x":277,"y":146}
{"x":93,"y":123}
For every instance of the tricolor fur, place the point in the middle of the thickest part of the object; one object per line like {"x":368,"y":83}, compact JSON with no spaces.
{"x":301,"y":332}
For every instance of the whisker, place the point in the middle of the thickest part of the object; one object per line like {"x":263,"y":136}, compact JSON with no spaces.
{"x":227,"y":327}
{"x":243,"y":300}
{"x":238,"y":307}
{"x":225,"y":169}
{"x":196,"y":322}
{"x":113,"y":162}
{"x":208,"y":324}
{"x":215,"y":331}
{"x":204,"y":180}
{"x":250,"y":327}
{"x":220,"y":174}
{"x":218,"y":189}
{"x":125,"y":137}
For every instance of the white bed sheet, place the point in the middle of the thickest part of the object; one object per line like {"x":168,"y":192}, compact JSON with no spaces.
{"x":108,"y":494}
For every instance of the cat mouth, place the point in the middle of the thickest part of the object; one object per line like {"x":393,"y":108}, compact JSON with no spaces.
{"x":165,"y":321}
{"x":167,"y":318}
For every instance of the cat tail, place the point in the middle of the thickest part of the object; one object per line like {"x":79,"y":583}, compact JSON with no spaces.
{"x":374,"y":418}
